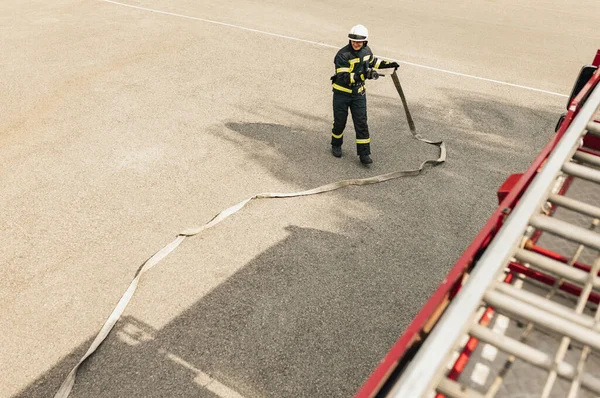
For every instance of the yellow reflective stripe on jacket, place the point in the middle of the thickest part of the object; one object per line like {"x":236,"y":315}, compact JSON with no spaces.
{"x":363,"y":140}
{"x":352,"y":81}
{"x":353,"y":62}
{"x":344,"y":89}
{"x":377,"y":64}
{"x":337,"y":136}
{"x":366,"y":57}
{"x":361,"y":89}
{"x":340,"y":70}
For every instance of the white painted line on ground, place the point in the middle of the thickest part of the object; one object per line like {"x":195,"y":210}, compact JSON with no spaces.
{"x":518,"y":284}
{"x":213,"y":385}
{"x":501,"y":324}
{"x":332,"y":46}
{"x":220,"y":23}
{"x":480,"y":373}
{"x":489,"y":352}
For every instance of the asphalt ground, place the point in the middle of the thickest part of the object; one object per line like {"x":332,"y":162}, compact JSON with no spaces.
{"x":121,"y":127}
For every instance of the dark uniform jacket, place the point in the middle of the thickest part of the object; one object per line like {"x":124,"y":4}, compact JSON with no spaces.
{"x":351,"y":68}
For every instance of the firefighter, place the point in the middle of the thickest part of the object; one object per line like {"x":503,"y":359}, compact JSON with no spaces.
{"x":354,"y":64}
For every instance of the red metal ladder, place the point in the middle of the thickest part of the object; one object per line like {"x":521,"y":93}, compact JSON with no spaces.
{"x":427,"y":375}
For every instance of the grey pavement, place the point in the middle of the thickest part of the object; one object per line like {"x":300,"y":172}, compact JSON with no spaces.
{"x":122,"y":127}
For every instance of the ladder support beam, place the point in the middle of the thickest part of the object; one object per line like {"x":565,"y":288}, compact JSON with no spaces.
{"x":584,"y":172}
{"x":575,"y":205}
{"x":555,"y":267}
{"x":565,"y":230}
{"x":452,"y":389}
{"x":549,"y":321}
{"x":593,"y":128}
{"x":547,"y":305}
{"x":587,"y":158}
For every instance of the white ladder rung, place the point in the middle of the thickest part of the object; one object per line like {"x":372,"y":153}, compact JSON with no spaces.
{"x":587,"y":158}
{"x":452,"y":389}
{"x":531,"y":355}
{"x":575,"y":205}
{"x":554,"y":266}
{"x":594,"y":128}
{"x":577,"y":170}
{"x":547,"y":305}
{"x":568,"y":231}
{"x":527,"y":312}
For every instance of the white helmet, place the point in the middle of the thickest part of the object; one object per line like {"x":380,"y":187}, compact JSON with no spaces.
{"x":358,"y":33}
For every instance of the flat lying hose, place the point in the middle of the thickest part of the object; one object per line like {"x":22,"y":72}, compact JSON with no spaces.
{"x":67,"y":385}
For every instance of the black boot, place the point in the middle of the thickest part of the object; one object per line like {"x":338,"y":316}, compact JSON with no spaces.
{"x":366,"y":159}
{"x":337,"y":151}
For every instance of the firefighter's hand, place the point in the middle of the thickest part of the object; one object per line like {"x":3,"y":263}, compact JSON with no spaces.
{"x":372,"y":74}
{"x":394,"y":65}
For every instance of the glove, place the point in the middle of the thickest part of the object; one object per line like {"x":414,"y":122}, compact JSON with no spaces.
{"x":372,"y":74}
{"x":357,"y":81}
{"x":394,"y":65}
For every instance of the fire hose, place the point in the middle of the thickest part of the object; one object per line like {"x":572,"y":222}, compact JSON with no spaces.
{"x":68,"y":383}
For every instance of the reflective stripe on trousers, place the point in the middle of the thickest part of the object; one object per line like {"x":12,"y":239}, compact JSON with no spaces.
{"x":358,"y":107}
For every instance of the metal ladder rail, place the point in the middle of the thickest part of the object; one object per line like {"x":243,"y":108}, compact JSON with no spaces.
{"x":425,"y":373}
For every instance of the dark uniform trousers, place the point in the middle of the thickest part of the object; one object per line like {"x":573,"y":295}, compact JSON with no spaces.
{"x":358,"y":106}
